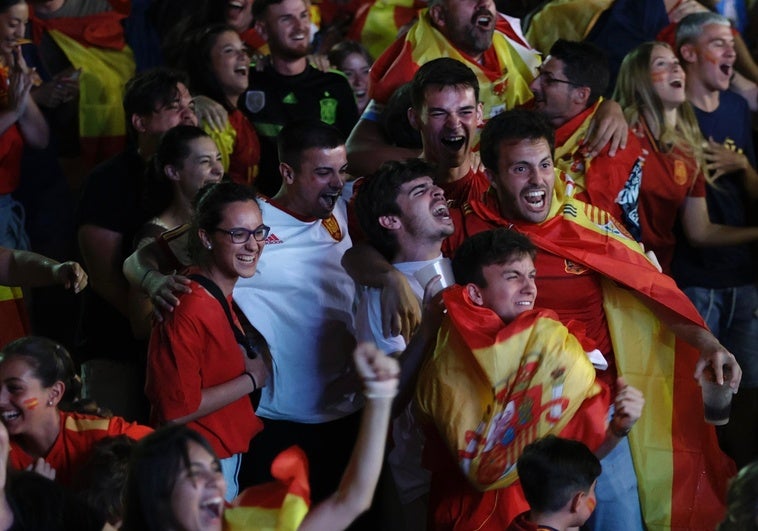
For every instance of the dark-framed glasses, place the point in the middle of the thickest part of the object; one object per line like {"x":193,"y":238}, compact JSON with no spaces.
{"x":546,"y":78}
{"x":240,"y":235}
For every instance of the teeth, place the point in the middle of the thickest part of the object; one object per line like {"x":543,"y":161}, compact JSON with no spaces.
{"x":214,"y":505}
{"x":524,"y":303}
{"x":246,"y":259}
{"x":441,"y":211}
{"x":10,"y":415}
{"x":237,"y":5}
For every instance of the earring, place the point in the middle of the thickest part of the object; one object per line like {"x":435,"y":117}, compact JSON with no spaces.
{"x":50,"y":402}
{"x":210,"y":246}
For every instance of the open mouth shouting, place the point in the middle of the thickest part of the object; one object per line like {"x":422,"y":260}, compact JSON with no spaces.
{"x":212,"y":509}
{"x":453,"y":142}
{"x":329,"y":200}
{"x":483,"y":19}
{"x":535,"y":199}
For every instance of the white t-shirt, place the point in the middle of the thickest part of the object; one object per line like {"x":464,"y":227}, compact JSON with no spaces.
{"x":302,"y":300}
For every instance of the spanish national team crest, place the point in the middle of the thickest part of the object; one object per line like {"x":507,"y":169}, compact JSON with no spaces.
{"x":333,"y":227}
{"x":328,"y":109}
{"x":574,"y":268}
{"x":255,"y":100}
{"x":680,"y":172}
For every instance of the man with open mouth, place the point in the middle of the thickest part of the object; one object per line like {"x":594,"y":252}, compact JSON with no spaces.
{"x":722,"y":281}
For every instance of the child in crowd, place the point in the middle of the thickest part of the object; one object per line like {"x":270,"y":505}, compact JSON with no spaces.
{"x":558,"y":477}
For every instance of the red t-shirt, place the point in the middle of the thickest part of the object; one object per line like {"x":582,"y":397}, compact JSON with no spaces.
{"x":193,"y":349}
{"x":78,"y":434}
{"x":244,"y":159}
{"x":473,"y":185}
{"x":669,"y":179}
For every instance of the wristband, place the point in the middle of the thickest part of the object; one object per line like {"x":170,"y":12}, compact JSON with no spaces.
{"x":252,"y":379}
{"x":380,"y":388}
{"x":144,"y":277}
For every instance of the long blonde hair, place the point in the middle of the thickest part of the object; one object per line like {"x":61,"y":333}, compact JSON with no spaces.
{"x":635,"y":93}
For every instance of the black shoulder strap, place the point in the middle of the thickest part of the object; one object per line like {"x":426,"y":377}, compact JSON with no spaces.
{"x":214,"y":290}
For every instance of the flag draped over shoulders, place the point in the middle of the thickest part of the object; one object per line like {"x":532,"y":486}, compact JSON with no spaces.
{"x":280,"y":505}
{"x":681,"y":471}
{"x":504,"y":74}
{"x":492,"y":388}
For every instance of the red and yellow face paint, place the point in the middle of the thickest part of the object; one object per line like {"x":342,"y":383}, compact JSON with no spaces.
{"x":30,"y":403}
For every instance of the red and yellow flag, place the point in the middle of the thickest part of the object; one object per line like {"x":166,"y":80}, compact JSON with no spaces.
{"x":277,"y":506}
{"x":681,"y":471}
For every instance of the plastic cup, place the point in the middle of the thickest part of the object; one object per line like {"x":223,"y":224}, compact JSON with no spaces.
{"x":717,"y":401}
{"x":442,"y":267}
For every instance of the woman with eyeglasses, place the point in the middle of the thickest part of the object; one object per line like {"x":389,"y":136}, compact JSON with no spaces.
{"x":198,"y":373}
{"x":217,"y":62}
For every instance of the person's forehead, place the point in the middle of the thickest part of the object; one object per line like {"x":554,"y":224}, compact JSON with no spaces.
{"x":517,"y":147}
{"x":324,"y":156}
{"x":552,"y":65}
{"x":713,"y":31}
{"x":433,"y":93}
{"x":413,"y":183}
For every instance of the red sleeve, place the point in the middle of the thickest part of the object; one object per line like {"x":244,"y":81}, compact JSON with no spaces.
{"x":174,"y":385}
{"x":120,"y":426}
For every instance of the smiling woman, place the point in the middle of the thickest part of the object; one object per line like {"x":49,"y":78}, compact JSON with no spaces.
{"x":217,"y":62}
{"x":198,"y":374}
{"x":38,"y":386}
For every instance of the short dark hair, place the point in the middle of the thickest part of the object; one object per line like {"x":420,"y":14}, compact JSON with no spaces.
{"x":300,"y":135}
{"x":551,"y":470}
{"x":442,"y":72}
{"x":146,"y":92}
{"x":584,"y":64}
{"x":396,"y":127}
{"x":377,"y":196}
{"x":513,"y":125}
{"x":156,"y":463}
{"x":260,"y":7}
{"x":496,"y":246}
{"x":101,"y":480}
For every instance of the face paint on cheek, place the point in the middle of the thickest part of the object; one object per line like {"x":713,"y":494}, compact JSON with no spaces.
{"x":711,"y":57}
{"x":657,"y":77}
{"x":30,"y":403}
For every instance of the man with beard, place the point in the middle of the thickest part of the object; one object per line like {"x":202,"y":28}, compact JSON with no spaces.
{"x":289,"y":88}
{"x":648,"y":331}
{"x":567,"y":91}
{"x":470,"y":31}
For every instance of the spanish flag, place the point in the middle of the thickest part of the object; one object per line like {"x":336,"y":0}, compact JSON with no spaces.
{"x":280,"y":505}
{"x":95,"y":44}
{"x":491,"y":388}
{"x":504,"y":73}
{"x":378,"y":23}
{"x":682,"y":473}
{"x":563,"y":19}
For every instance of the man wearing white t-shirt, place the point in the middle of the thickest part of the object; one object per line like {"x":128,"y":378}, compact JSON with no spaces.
{"x":301,"y":301}
{"x":405,"y":216}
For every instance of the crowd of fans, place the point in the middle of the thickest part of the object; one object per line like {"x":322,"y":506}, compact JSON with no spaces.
{"x":240,"y":199}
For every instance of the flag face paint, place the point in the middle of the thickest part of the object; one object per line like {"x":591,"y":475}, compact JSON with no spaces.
{"x":30,"y":403}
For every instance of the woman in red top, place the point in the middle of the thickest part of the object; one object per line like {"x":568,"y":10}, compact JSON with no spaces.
{"x":650,"y":89}
{"x":38,"y":388}
{"x":20,"y":119}
{"x":197,"y":373}
{"x":218,"y":62}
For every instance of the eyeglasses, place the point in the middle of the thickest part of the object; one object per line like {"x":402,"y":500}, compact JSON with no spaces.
{"x":546,"y":78}
{"x":260,"y":233}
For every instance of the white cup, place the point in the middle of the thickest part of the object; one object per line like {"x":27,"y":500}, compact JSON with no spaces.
{"x":442,"y":267}
{"x":717,"y":401}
